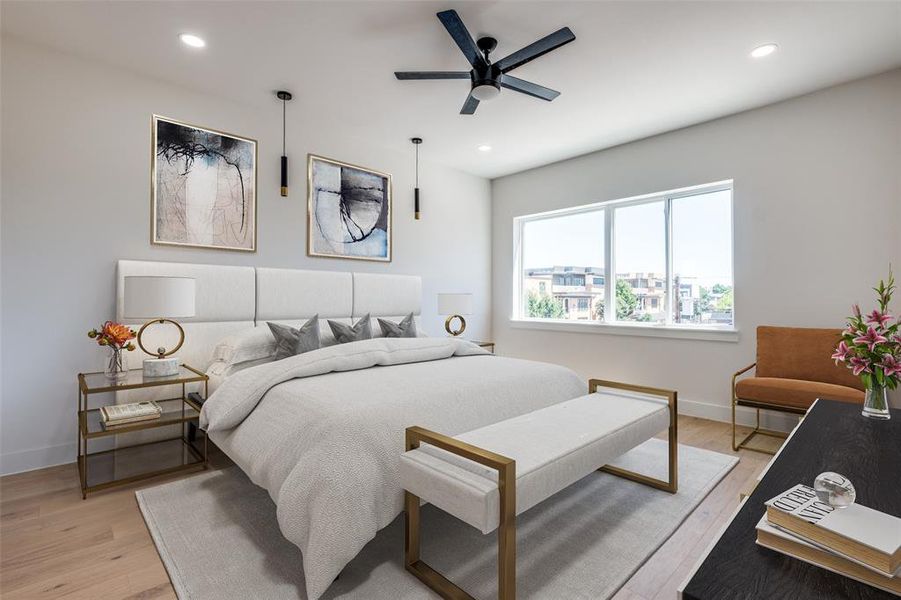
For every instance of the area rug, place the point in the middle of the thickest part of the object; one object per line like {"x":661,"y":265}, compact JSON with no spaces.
{"x":218,"y":537}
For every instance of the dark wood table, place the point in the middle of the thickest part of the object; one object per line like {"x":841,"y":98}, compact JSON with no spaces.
{"x":833,"y":437}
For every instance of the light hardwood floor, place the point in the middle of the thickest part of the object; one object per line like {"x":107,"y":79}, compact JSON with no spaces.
{"x":53,"y":544}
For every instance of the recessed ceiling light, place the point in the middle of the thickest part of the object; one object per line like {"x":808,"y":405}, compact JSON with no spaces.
{"x":484,"y":148}
{"x":765,"y":50}
{"x":192,"y":40}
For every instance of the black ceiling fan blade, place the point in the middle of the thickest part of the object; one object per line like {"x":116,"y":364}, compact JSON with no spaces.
{"x":535,"y":49}
{"x":432,"y":74}
{"x":527,"y":87}
{"x":457,"y":30}
{"x":469,"y":107}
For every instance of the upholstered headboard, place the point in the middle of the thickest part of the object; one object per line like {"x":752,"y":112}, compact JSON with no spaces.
{"x":230,"y":299}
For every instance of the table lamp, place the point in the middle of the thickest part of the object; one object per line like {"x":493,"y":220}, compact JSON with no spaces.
{"x":160,"y":299}
{"x":455,"y":305}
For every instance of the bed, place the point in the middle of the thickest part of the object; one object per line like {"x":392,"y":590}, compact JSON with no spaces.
{"x":323,"y":432}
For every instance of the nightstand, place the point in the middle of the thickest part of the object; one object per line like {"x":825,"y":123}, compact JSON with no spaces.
{"x":487,"y":345}
{"x":119,"y":465}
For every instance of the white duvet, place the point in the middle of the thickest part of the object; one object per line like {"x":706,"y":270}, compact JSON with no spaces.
{"x":322,"y":431}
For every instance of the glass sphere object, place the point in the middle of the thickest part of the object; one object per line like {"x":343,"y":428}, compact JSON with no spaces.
{"x":834,"y":489}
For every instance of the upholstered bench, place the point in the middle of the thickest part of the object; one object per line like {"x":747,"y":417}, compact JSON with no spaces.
{"x":487,"y":476}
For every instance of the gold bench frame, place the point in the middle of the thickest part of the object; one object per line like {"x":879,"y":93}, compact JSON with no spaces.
{"x":744,"y":444}
{"x":506,"y":483}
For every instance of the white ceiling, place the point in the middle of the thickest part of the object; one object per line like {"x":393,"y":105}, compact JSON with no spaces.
{"x":636,"y":68}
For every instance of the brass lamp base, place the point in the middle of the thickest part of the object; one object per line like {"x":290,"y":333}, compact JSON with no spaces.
{"x":161,"y":366}
{"x":455,"y":332}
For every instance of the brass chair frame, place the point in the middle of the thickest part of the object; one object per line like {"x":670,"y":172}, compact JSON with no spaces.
{"x":506,"y":481}
{"x":744,"y":444}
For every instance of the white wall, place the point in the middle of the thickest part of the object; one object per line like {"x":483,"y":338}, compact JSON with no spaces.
{"x":76,"y":197}
{"x":817,"y":216}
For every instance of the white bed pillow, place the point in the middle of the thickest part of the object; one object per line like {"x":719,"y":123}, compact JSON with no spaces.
{"x":219,"y":370}
{"x":251,"y":344}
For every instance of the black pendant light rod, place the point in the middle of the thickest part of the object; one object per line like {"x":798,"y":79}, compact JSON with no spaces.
{"x":416,"y":141}
{"x":284,"y":97}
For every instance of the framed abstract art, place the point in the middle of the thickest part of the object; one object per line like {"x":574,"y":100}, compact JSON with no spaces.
{"x":203,"y":187}
{"x":348,"y":211}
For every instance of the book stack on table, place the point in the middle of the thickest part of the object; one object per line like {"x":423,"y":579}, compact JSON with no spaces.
{"x":129,"y":414}
{"x":856,"y":541}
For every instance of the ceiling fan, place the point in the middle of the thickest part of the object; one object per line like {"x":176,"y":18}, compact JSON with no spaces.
{"x":488,"y":78}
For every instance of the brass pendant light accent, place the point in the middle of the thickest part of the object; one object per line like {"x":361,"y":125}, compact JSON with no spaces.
{"x":416,"y":208}
{"x":284,"y":97}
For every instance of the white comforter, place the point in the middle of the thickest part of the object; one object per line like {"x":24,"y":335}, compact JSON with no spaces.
{"x":322,"y":431}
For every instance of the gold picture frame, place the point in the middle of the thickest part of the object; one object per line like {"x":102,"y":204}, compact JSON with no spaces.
{"x":317,"y":242}
{"x":169,"y":222}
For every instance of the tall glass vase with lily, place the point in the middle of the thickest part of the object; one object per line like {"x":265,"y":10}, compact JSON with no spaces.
{"x":871,"y":347}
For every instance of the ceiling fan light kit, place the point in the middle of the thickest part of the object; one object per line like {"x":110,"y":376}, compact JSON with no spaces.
{"x":487,"y":78}
{"x":486,"y":91}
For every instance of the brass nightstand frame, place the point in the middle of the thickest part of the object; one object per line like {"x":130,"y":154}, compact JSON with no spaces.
{"x":84,"y":433}
{"x":485,"y":345}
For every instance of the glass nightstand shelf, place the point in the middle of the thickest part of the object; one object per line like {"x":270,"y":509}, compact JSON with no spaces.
{"x":173,"y":413}
{"x":128,"y":463}
{"x":93,"y":383}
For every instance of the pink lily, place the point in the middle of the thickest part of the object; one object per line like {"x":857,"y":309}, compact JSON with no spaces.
{"x":870,"y":338}
{"x":841,"y":353}
{"x":855,"y":310}
{"x":859,"y":365}
{"x":890,"y":365}
{"x":878,"y":318}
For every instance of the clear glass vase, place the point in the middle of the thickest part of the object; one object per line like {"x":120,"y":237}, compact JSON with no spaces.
{"x":875,"y":403}
{"x":117,"y":365}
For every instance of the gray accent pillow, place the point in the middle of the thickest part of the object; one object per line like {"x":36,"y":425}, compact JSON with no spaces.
{"x":290,"y":341}
{"x":361,"y":330}
{"x":406,"y":328}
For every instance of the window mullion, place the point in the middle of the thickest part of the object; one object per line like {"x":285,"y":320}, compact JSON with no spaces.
{"x":609,"y":268}
{"x":519,"y":299}
{"x":670,"y":300}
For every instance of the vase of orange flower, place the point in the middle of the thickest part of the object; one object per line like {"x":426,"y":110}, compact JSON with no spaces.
{"x":117,"y":338}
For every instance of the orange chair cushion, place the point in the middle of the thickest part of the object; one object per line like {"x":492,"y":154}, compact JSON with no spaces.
{"x":801,"y":353}
{"x":795,"y":393}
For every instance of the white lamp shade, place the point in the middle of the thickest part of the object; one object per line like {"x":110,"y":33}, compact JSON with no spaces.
{"x":454,"y":304}
{"x":163,"y":297}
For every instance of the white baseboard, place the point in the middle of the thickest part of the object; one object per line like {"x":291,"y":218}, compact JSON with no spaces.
{"x":36,"y":458}
{"x":743,"y":416}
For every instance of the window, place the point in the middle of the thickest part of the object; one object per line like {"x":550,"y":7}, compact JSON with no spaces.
{"x":670,"y":256}
{"x":559,"y":254}
{"x":640,"y":261}
{"x":702,"y":258}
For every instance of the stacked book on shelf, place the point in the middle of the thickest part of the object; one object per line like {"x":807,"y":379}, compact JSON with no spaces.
{"x":129,"y":414}
{"x":856,"y":541}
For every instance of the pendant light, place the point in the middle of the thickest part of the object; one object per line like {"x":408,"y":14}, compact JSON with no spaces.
{"x":416,"y":142}
{"x":284,"y":97}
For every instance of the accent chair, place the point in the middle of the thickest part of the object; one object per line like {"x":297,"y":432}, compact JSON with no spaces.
{"x":793,"y":369}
